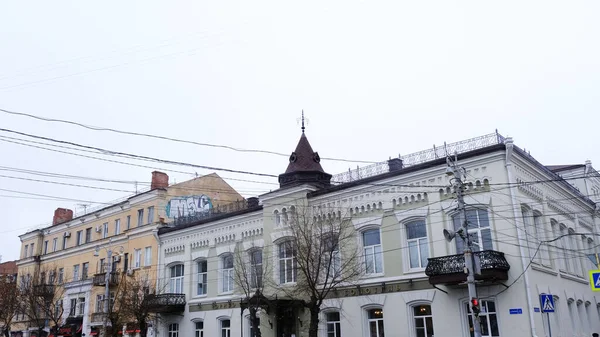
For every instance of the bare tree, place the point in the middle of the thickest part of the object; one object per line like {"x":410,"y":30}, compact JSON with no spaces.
{"x":41,"y":299}
{"x":115,"y":316}
{"x":136,"y":303}
{"x":324,"y":243}
{"x":251,"y":272}
{"x":9,"y":303}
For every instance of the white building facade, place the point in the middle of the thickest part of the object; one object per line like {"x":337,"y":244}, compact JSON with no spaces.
{"x":533,"y":232}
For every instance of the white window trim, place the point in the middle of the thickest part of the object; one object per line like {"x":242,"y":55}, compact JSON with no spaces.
{"x":365,"y":318}
{"x":464,"y":313}
{"x":362,"y":252}
{"x":220,"y":325}
{"x":222,"y":274}
{"x":147,"y":257}
{"x":197,"y":278}
{"x":411,"y":315}
{"x":323,"y":323}
{"x":137,"y":258}
{"x":404,"y":239}
{"x":478,"y":229}
{"x":176,"y":278}
{"x":278,"y":259}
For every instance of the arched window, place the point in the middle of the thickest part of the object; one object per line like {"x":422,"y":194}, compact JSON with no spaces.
{"x":372,"y":251}
{"x":284,"y":214}
{"x":176,"y":280}
{"x":331,"y":256}
{"x":202,"y":277}
{"x":277,"y":218}
{"x":375,"y":322}
{"x":422,"y":320}
{"x":227,"y":273}
{"x":173,"y":330}
{"x":199,"y":330}
{"x":287,"y":262}
{"x":334,"y":328}
{"x":256,"y":268}
{"x":417,"y":242}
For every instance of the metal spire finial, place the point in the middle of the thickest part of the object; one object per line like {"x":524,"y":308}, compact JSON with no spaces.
{"x":303,"y":121}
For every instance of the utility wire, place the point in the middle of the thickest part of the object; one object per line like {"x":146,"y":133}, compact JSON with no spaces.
{"x":97,"y":128}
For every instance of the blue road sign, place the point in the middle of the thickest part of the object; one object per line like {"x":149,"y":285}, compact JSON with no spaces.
{"x":536,"y":309}
{"x":547,"y":303}
{"x":595,"y":280}
{"x":515,"y":311}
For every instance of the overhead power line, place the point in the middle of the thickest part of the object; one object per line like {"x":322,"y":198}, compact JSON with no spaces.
{"x":97,"y":128}
{"x":134,"y":156}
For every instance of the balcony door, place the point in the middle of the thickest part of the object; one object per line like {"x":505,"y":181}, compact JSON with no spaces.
{"x":479,"y":230}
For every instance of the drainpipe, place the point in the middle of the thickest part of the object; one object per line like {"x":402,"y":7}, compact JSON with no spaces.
{"x":158,"y":255}
{"x":509,"y":168}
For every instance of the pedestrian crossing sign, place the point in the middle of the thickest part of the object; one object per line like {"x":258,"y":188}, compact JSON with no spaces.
{"x":595,"y":280}
{"x":547,"y":302}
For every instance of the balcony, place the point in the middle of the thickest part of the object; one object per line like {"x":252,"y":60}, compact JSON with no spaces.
{"x":98,"y":317}
{"x":449,"y":270}
{"x":100,"y":279}
{"x":43,"y":290}
{"x":166,"y":303}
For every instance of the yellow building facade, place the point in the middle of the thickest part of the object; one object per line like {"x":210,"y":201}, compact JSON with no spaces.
{"x":73,"y":253}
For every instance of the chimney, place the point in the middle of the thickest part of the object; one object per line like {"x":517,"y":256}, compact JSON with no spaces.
{"x":62,"y":215}
{"x":252,"y":202}
{"x":159,"y":180}
{"x":395,"y":164}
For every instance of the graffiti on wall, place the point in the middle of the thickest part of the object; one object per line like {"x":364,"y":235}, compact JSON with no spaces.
{"x":188,"y":205}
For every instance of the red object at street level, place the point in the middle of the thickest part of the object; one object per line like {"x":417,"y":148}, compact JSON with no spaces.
{"x":475,"y":309}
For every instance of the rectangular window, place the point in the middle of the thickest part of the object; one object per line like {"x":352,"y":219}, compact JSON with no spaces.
{"x":61,"y":275}
{"x":375,"y":322}
{"x":84,"y":270}
{"x":173,"y":330}
{"x":99,"y":303}
{"x":54,"y":244}
{"x":58,"y":308}
{"x":331,"y":258}
{"x":148,"y":256}
{"x":256,"y":268}
{"x":176,"y":282}
{"x":31,"y":250}
{"x":64,"y":243}
{"x":140,"y":220}
{"x":287,"y":262}
{"x":227,"y":273}
{"x":225,"y":328}
{"x":423,"y":320}
{"x":79,"y":238}
{"x":372,"y":251}
{"x":418,"y":247}
{"x":202,"y":277}
{"x":88,"y":235}
{"x":334,"y":328}
{"x":102,"y":266}
{"x":52,"y":277}
{"x":117,"y":226}
{"x":478,"y":229}
{"x":80,"y":306}
{"x":76,"y":272}
{"x":26,"y":251}
{"x":137,"y":258}
{"x":564,"y":241}
{"x":199,"y":329}
{"x":126,"y":263}
{"x":105,"y":230}
{"x":73,"y":307}
{"x":128,"y":221}
{"x":46,"y":247}
{"x":150,"y":214}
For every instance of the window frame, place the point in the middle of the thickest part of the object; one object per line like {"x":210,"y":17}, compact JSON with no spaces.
{"x":201,"y":275}
{"x":117,"y":226}
{"x":419,"y":242}
{"x":105,"y":230}
{"x":227,"y":276}
{"x":85,"y":268}
{"x":177,"y":280}
{"x":137,"y":258}
{"x":150,"y":214}
{"x":413,"y":318}
{"x":483,"y":315}
{"x":335,"y":323}
{"x":224,"y":331}
{"x":79,"y":237}
{"x":368,"y":320}
{"x":256,"y":268}
{"x":140,"y":214}
{"x":474,"y":232}
{"x":54,"y":244}
{"x":76,"y":272}
{"x":373,"y":253}
{"x":148,"y":256}
{"x":199,"y":332}
{"x":173,"y":330}
{"x":293,"y":260}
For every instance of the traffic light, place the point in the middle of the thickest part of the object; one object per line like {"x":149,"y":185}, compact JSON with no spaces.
{"x":475,"y":309}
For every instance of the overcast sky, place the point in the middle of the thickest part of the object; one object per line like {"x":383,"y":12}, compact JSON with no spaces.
{"x":375,"y":79}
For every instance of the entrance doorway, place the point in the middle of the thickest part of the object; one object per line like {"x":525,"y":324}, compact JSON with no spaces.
{"x":286,"y":322}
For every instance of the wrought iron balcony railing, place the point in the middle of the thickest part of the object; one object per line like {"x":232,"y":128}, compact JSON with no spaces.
{"x":44,"y":290}
{"x":166,"y":303}
{"x":100,"y":279}
{"x":449,"y":270}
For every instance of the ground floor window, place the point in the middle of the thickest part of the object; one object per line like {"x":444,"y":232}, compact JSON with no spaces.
{"x":423,"y":320}
{"x":488,"y":318}
{"x":173,"y":330}
{"x":199,"y":329}
{"x":375,"y":321}
{"x":225,"y":328}
{"x":334,"y":328}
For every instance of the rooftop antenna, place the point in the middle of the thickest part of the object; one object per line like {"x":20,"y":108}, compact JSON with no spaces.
{"x":85,"y":206}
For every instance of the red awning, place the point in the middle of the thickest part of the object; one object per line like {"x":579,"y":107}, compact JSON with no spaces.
{"x":79,"y":329}
{"x":93,"y":333}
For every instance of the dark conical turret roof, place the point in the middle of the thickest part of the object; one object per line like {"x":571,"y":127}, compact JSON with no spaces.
{"x":304,"y":167}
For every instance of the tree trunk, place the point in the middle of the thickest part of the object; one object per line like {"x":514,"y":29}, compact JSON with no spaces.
{"x":6,"y":331}
{"x":143,"y":328}
{"x":313,"y":331}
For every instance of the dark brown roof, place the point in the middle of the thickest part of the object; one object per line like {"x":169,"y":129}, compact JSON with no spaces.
{"x":557,"y":168}
{"x":304,"y":158}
